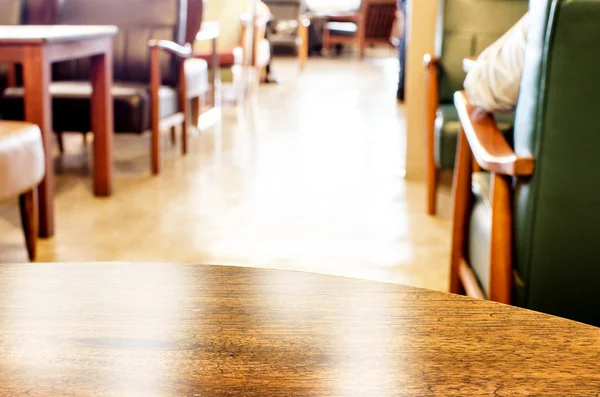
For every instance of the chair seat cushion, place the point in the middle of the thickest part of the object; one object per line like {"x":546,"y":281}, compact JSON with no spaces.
{"x":446,"y":133}
{"x":71,"y":105}
{"x":22,"y":165}
{"x":346,"y":29}
{"x":196,"y":77}
{"x":480,"y":230}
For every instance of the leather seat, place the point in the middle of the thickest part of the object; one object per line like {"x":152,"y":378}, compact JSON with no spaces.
{"x":345,"y":29}
{"x":446,"y":133}
{"x":71,"y":105}
{"x":22,"y":167}
{"x":196,"y":76}
{"x":71,"y":101}
{"x":21,"y":158}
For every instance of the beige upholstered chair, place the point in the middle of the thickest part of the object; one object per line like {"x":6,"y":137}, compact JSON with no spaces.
{"x":21,"y":170}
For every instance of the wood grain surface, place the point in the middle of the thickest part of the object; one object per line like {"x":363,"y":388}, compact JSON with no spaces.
{"x":182,"y":330}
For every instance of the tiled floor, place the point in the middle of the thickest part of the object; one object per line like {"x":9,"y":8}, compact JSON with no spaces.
{"x":308,"y":176}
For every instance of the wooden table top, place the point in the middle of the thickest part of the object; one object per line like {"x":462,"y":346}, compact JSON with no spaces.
{"x":183,"y":330}
{"x":38,"y":34}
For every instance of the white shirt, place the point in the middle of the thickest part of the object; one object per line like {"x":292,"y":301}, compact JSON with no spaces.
{"x":493,"y":82}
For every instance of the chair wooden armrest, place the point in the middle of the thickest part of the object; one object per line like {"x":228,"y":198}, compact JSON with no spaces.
{"x":488,"y":145}
{"x":172,"y":48}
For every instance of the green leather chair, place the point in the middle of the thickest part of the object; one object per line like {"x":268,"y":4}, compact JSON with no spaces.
{"x":527,"y":233}
{"x":465,"y":28}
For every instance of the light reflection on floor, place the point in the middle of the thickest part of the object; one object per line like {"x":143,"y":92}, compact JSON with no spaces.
{"x":307,"y":176}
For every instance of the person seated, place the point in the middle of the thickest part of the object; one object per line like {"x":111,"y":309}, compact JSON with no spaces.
{"x":493,"y":82}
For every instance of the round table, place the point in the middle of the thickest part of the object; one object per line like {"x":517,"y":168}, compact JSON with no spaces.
{"x":122,"y":329}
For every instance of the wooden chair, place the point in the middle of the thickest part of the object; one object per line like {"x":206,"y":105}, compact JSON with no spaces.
{"x":153,"y":81}
{"x":466,"y":28}
{"x":289,"y":27}
{"x":525,"y":230}
{"x":242,"y":47}
{"x":22,"y":167}
{"x":371,"y":25}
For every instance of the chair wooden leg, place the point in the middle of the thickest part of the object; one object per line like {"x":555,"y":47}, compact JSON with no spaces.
{"x":461,"y":197}
{"x":155,"y":116}
{"x":501,"y":241}
{"x":28,"y":206}
{"x":195,"y":111}
{"x":61,"y":142}
{"x":184,"y":108}
{"x":173,"y":135}
{"x":184,"y":134}
{"x":432,"y":176}
{"x":326,"y":41}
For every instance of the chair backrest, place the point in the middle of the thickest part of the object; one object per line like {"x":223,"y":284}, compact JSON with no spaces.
{"x":138,"y":22}
{"x":465,"y":28}
{"x":11,"y":12}
{"x":377,"y":17}
{"x":40,"y":12}
{"x":557,"y":211}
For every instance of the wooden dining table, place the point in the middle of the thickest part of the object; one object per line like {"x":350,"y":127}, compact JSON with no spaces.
{"x":36,"y":48}
{"x":147,"y":329}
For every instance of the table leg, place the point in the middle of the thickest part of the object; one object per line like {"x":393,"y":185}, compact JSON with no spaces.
{"x":102,"y":121}
{"x":216,"y":69}
{"x":38,"y":110}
